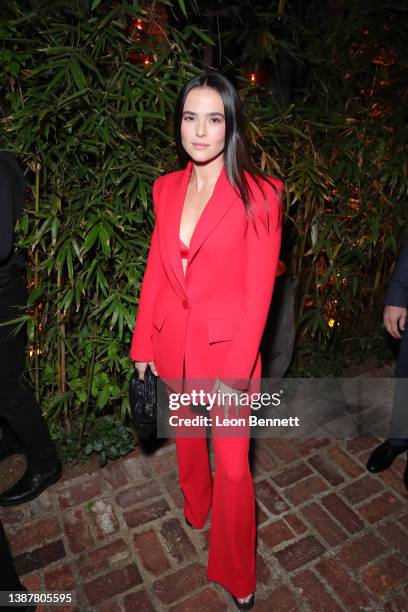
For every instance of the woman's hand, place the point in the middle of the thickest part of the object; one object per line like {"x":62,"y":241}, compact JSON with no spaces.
{"x":141,"y":368}
{"x":225,"y":396}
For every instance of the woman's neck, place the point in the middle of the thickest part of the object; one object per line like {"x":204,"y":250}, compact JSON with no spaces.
{"x":206,"y":175}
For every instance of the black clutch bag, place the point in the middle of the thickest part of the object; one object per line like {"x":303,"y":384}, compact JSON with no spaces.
{"x":143,"y":403}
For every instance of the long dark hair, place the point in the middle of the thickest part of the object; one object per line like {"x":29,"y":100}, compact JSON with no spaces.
{"x":236,"y":156}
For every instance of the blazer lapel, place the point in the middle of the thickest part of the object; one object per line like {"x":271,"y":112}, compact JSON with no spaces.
{"x":175,"y":196}
{"x":222,"y":199}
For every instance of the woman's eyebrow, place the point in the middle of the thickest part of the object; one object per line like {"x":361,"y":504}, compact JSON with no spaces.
{"x":187,"y":112}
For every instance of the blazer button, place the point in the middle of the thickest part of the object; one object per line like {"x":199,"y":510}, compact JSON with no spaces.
{"x":185,"y":304}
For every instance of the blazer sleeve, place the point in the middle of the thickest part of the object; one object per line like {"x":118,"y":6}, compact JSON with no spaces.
{"x":142,"y":347}
{"x":262,"y":254}
{"x":397,"y":292}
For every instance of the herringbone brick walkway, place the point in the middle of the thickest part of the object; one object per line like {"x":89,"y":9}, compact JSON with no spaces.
{"x":331,"y":536}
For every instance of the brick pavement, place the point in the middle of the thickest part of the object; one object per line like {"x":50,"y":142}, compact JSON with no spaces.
{"x":330,"y":535}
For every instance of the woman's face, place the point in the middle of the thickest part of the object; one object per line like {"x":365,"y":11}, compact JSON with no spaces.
{"x":203,"y":124}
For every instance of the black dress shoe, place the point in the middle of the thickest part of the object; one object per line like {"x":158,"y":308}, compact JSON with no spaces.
{"x":10,"y":449}
{"x":383,"y":456}
{"x":245,"y":606}
{"x":30,"y":486}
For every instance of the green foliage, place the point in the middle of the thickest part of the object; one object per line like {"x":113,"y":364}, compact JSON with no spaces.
{"x":94,"y":128}
{"x":330,"y":361}
{"x":92,"y":125}
{"x":108,"y":437}
{"x":339,"y":141}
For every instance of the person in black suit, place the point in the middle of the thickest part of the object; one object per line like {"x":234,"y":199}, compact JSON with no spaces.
{"x":395,"y":322}
{"x":23,"y":428}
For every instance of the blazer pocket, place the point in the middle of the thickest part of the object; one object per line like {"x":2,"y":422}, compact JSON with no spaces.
{"x":160,"y":315}
{"x":221,"y":328}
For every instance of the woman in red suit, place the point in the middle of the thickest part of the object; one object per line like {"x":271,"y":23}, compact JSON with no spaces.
{"x":203,"y":306}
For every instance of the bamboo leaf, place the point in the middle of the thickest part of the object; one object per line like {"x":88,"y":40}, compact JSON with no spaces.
{"x":91,"y":237}
{"x":202,"y":35}
{"x":182,"y":7}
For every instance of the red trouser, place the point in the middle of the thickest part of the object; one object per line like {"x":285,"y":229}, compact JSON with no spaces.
{"x":231,"y":560}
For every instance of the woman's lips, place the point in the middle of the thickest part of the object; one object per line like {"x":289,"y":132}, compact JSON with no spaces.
{"x":197,"y":145}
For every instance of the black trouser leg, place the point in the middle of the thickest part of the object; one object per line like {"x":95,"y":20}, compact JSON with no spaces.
{"x":7,"y":438}
{"x":26,"y":422}
{"x":18,"y":405}
{"x":399,"y":417}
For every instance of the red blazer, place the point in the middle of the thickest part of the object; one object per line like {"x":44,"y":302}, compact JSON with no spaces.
{"x":210,"y":321}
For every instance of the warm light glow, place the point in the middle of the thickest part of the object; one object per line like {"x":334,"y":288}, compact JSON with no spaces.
{"x":386,"y":57}
{"x":378,"y":110}
{"x":34,"y":351}
{"x":139,"y":24}
{"x":252,"y":77}
{"x":331,"y":322}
